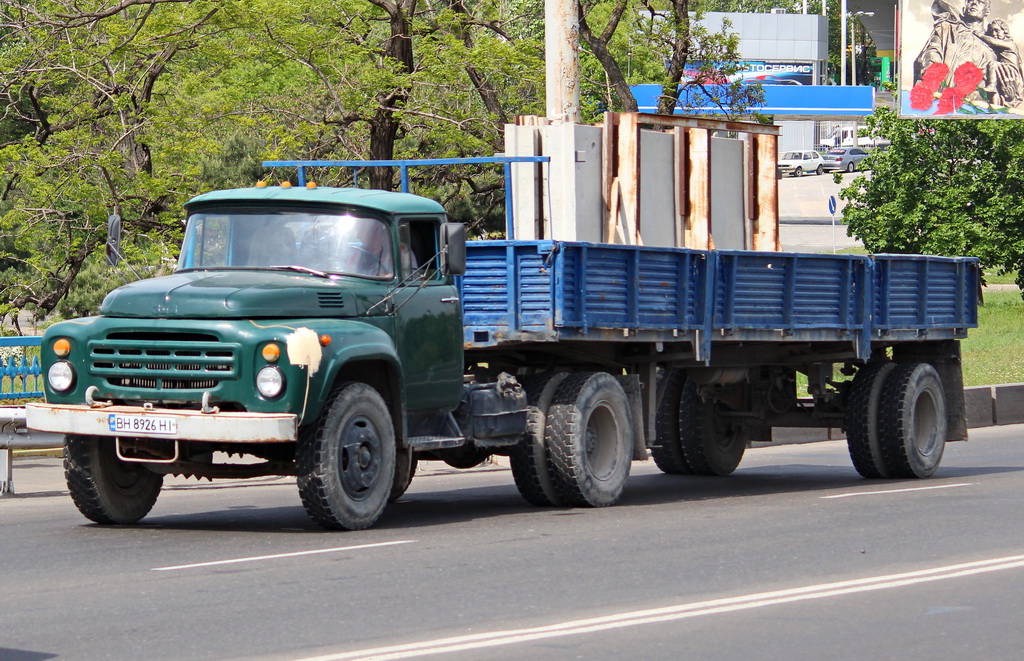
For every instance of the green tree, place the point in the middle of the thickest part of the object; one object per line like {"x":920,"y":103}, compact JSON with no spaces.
{"x":662,"y":42}
{"x":945,"y":187}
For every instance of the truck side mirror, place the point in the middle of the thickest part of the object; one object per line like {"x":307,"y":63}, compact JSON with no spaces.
{"x":453,"y":248}
{"x":113,"y":239}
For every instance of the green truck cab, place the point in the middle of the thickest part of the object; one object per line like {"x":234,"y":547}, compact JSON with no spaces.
{"x":316,"y":329}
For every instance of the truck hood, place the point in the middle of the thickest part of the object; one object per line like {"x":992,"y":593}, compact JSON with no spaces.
{"x":239,"y":294}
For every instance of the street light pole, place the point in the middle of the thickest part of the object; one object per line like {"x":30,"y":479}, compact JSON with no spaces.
{"x":842,"y":43}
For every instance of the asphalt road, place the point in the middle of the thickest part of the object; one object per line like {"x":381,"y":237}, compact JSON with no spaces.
{"x":805,"y":223}
{"x":792,"y":557}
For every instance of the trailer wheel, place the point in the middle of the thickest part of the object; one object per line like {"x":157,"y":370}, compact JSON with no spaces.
{"x":712,"y":444}
{"x":346,"y":464}
{"x":529,"y":458}
{"x":913,"y":420}
{"x":862,"y":419}
{"x":405,"y":469}
{"x":667,"y":450}
{"x":590,"y":439}
{"x":104,"y":488}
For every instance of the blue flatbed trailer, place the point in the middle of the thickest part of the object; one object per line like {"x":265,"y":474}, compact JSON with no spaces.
{"x":516,"y":292}
{"x":711,"y":342}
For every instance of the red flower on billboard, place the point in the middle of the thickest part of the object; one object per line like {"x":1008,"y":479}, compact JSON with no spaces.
{"x":934,"y":85}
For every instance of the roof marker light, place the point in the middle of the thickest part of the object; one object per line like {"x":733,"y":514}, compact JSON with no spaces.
{"x":261,"y":184}
{"x":286,"y":184}
{"x":310,"y":184}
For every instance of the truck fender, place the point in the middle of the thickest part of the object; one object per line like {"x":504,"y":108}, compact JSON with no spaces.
{"x":354,"y":344}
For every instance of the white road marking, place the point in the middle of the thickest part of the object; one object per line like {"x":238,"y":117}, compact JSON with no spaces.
{"x":885,"y":491}
{"x":672,"y":613}
{"x":284,"y":555}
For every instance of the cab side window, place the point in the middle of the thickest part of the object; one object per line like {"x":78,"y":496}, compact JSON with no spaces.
{"x":417,"y":247}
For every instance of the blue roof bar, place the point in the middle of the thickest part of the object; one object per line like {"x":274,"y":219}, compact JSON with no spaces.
{"x":404,"y":165}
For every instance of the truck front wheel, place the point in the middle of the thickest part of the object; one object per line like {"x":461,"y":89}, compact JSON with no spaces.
{"x":346,"y":464}
{"x":104,"y":488}
{"x":712,"y":444}
{"x":590,"y":439}
{"x":913,"y":420}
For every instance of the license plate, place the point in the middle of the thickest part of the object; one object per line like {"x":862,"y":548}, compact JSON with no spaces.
{"x":121,"y":423}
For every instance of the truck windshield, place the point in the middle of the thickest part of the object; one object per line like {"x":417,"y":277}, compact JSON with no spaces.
{"x":346,"y":243}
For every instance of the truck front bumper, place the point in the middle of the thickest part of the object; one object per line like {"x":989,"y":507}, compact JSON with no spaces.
{"x":167,"y":424}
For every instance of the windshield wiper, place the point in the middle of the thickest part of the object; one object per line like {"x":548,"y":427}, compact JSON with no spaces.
{"x":302,"y":269}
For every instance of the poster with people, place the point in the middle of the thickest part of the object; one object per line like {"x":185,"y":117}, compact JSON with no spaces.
{"x":960,"y":59}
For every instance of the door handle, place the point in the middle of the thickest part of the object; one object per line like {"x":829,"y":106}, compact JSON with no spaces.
{"x":450,"y":299}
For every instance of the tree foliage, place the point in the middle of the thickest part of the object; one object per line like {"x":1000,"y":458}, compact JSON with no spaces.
{"x":664,"y":42}
{"x":944,"y":187}
{"x":134,"y":106}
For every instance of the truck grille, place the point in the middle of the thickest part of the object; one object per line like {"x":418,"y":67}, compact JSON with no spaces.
{"x":153,"y":360}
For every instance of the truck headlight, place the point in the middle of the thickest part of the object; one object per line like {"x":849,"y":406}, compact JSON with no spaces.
{"x":61,"y":376}
{"x":269,"y":381}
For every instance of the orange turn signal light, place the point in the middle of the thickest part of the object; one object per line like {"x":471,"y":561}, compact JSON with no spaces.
{"x":325,"y":340}
{"x":62,"y":348}
{"x":271,"y":353}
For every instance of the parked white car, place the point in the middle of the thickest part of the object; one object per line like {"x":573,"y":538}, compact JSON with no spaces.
{"x":796,"y":163}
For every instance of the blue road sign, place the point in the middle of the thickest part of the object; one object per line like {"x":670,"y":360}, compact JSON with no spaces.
{"x":832,"y":204}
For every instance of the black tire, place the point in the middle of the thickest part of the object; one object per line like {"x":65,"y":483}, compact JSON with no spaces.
{"x":667,"y":450}
{"x":104,"y":488}
{"x":820,"y":170}
{"x":862,"y":419}
{"x":712,"y":444}
{"x":851,"y":167}
{"x":589,"y":439}
{"x":405,"y":469}
{"x":798,"y":171}
{"x":913,"y":420}
{"x":346,"y":464}
{"x":529,"y":458}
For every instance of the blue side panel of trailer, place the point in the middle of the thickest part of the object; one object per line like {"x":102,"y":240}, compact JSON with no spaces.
{"x":924,"y":294}
{"x":543,"y":291}
{"x":793,"y":297}
{"x":547,"y":291}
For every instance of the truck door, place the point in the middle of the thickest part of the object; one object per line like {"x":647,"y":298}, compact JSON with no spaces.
{"x":428,"y":319}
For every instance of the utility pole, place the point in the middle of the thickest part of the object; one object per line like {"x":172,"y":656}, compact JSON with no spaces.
{"x":842,"y":43}
{"x":562,"y":60}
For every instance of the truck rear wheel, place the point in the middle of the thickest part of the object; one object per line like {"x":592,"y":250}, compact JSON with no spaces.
{"x":667,"y":450}
{"x":862,"y":418}
{"x":589,"y":439}
{"x":104,"y":488}
{"x":529,"y":458}
{"x":913,"y":420}
{"x":346,"y":464}
{"x":711,"y":443}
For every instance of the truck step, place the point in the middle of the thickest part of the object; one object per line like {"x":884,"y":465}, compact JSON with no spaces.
{"x":435,"y":442}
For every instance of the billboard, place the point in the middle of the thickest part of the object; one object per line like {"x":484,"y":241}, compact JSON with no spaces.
{"x":960,"y":59}
{"x":777,"y":73}
{"x":760,"y":71}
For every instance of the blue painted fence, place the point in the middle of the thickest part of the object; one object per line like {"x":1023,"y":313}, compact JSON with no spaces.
{"x":19,"y":377}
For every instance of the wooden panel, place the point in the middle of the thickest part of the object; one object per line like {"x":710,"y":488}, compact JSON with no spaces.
{"x":698,"y":217}
{"x":766,"y":222}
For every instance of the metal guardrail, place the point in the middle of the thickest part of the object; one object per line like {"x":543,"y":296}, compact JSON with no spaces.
{"x":20,"y":378}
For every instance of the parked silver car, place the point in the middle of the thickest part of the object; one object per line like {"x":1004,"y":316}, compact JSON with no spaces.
{"x":846,"y":159}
